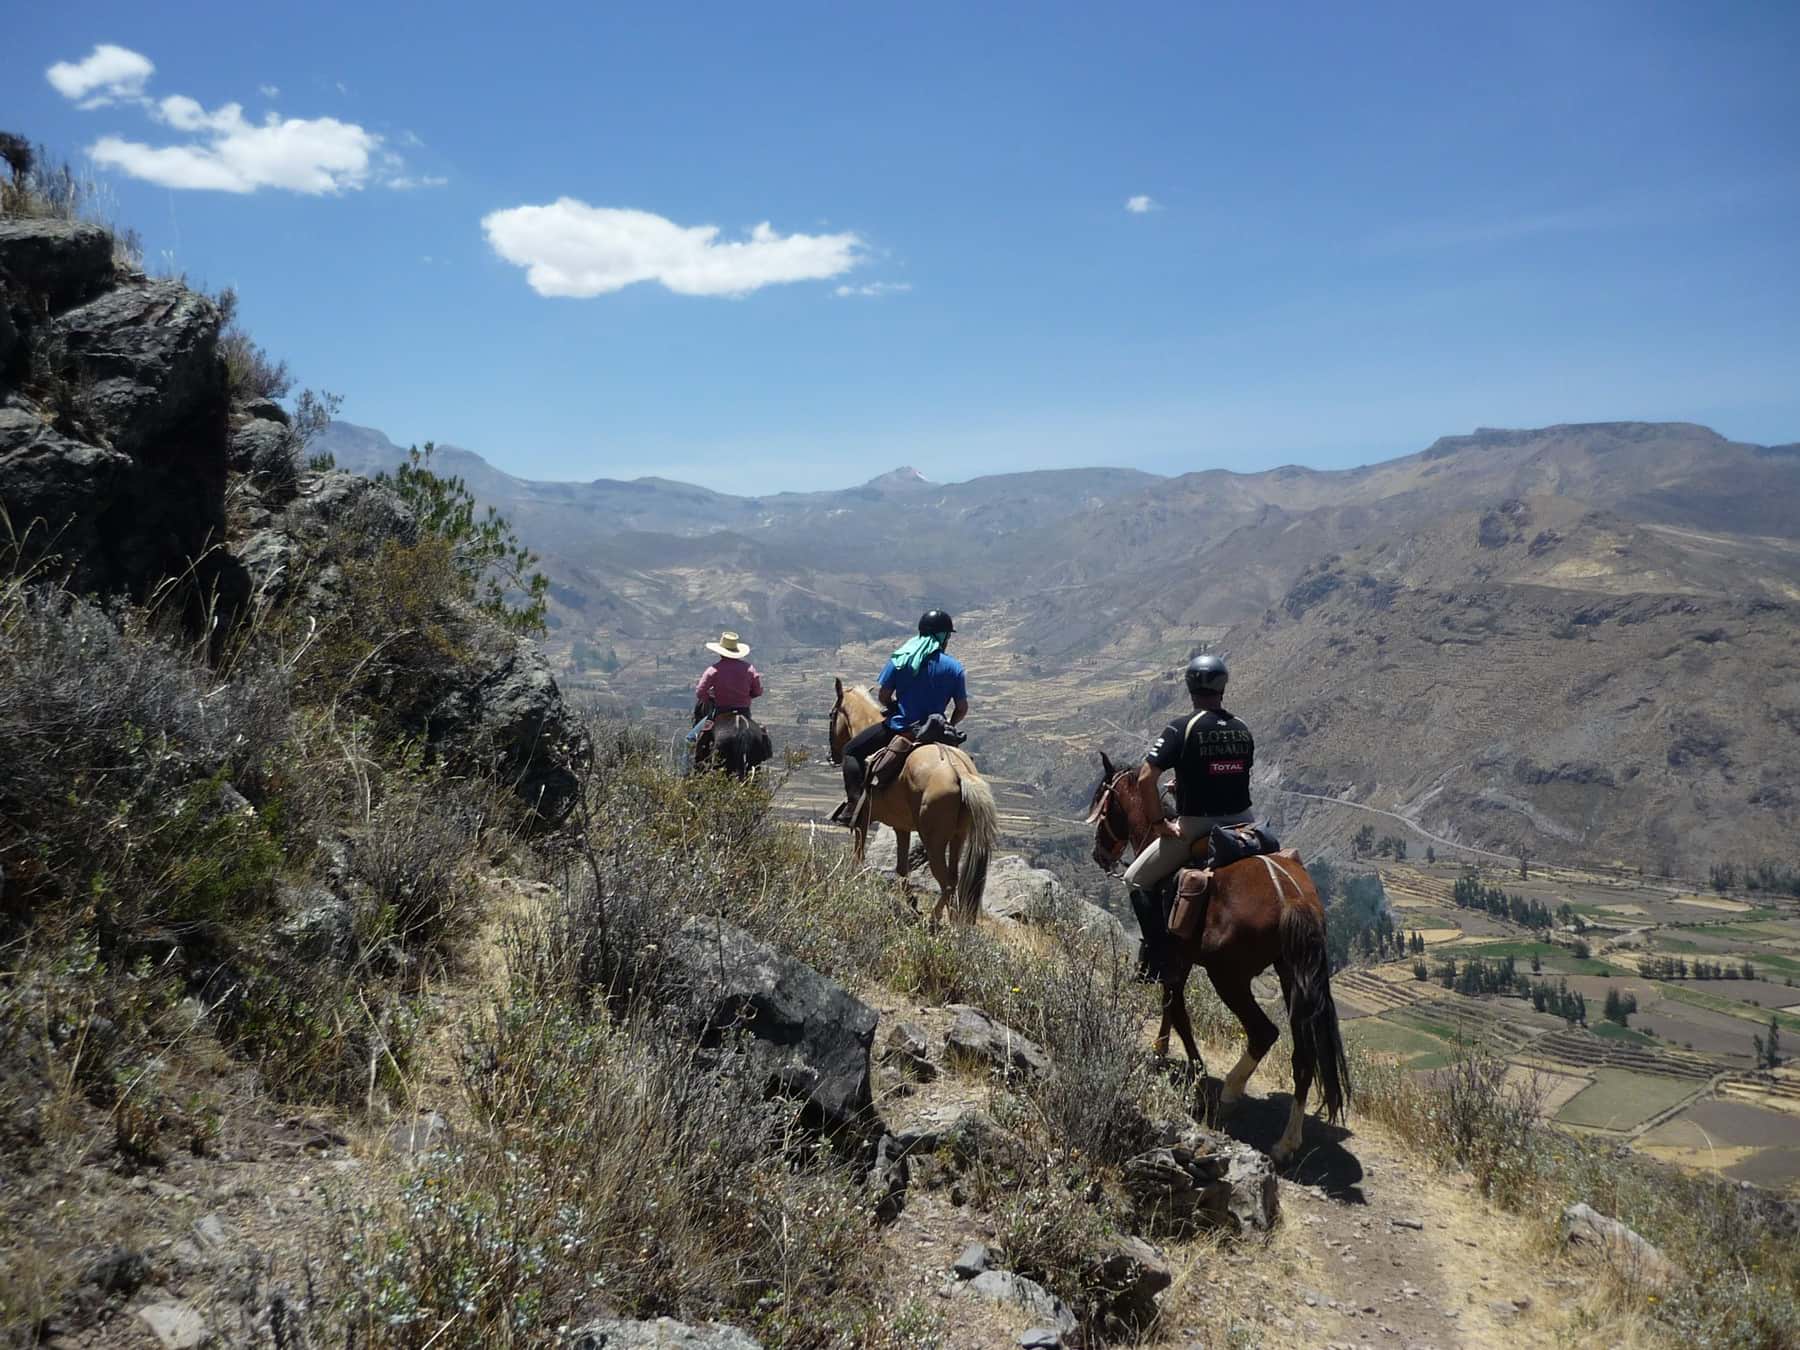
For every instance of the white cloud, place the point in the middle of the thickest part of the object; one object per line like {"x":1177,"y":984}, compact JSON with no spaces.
{"x":1140,"y":205}
{"x":221,"y":149}
{"x":569,"y":248}
{"x":297,"y":154}
{"x":874,"y":289}
{"x":269,"y":90}
{"x":104,"y":75}
{"x":404,"y":183}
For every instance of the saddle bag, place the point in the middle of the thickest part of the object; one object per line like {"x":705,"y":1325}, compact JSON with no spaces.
{"x":1234,"y":843}
{"x":1190,"y":901}
{"x":935,"y":730}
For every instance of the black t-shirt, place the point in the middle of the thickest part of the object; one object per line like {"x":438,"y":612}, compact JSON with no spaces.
{"x":1211,"y":753}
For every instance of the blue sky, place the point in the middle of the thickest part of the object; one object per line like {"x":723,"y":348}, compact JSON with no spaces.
{"x":1363,"y":226}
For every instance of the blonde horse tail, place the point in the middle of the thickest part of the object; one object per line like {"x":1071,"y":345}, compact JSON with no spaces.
{"x":984,"y":830}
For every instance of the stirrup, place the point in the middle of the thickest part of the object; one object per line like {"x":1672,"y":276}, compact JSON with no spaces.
{"x":845,"y":814}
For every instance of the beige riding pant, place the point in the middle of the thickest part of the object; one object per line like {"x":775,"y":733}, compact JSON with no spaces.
{"x":1164,"y":857}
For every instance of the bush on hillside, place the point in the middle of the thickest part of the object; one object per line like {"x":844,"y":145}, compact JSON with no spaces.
{"x":495,"y":572}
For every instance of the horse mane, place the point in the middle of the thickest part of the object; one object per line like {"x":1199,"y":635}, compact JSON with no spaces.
{"x":866,"y":695}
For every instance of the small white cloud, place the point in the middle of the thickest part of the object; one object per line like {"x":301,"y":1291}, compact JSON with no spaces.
{"x":269,"y":90}
{"x":569,"y":248}
{"x":1140,"y":205}
{"x":403,"y":183}
{"x":305,"y":155}
{"x":222,"y":150}
{"x":104,"y":75}
{"x":873,"y":289}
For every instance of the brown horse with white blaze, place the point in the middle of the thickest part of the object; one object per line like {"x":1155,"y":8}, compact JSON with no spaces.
{"x":1262,"y":911}
{"x":940,"y":796}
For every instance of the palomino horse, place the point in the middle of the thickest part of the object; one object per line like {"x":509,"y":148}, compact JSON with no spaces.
{"x":938,"y":794}
{"x":736,"y":743}
{"x":1261,"y":912}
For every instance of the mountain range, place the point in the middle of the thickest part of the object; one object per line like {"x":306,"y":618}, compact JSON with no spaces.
{"x":1576,"y":641}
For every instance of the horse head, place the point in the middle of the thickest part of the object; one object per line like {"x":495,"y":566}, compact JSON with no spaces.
{"x":839,"y":726}
{"x":1110,"y":813}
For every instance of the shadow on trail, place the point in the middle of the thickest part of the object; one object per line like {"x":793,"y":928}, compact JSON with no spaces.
{"x":1323,"y":1161}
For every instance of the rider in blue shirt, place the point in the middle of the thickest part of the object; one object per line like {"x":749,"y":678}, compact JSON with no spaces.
{"x":919,"y":681}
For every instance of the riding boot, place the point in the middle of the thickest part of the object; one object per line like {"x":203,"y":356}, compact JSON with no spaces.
{"x":853,"y":790}
{"x":1153,"y":933}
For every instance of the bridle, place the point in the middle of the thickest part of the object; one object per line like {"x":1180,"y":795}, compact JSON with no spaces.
{"x":834,"y":754}
{"x":1106,"y":835}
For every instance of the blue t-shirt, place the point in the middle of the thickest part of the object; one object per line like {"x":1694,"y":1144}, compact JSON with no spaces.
{"x":925,"y":691}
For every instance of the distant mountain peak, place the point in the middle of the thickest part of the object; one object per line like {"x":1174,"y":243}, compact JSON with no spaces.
{"x":903,"y":477}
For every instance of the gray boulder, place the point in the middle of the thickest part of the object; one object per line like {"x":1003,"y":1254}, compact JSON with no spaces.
{"x":272,"y":559}
{"x":320,"y":927}
{"x":146,"y":357}
{"x":978,"y":1040}
{"x":426,"y":1132}
{"x":49,"y":265}
{"x":176,"y":1326}
{"x":1125,"y":1277}
{"x":1006,"y":1289}
{"x":337,"y":498}
{"x":265,"y":410}
{"x":506,"y":712}
{"x":1195,"y":1179}
{"x":661,"y":1334}
{"x":1021,"y":893}
{"x":265,"y":451}
{"x":973,"y":1141}
{"x":1588,"y":1232}
{"x":808,"y":1034}
{"x":79,"y":492}
{"x":908,"y":1049}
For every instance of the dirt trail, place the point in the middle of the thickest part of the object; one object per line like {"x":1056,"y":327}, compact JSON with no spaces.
{"x":1373,"y":1248}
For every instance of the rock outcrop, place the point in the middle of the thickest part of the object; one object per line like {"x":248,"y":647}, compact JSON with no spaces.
{"x":977,"y":1040}
{"x":810,"y":1037}
{"x":1195,"y":1179}
{"x":118,"y":441}
{"x":1588,"y":1232}
{"x":113,"y":420}
{"x":662,"y":1333}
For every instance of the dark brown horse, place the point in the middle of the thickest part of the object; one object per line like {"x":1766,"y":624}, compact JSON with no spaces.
{"x":1261,"y":912}
{"x":735,"y":742}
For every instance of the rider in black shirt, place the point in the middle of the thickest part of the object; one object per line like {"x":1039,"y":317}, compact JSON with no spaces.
{"x":1212,"y":753}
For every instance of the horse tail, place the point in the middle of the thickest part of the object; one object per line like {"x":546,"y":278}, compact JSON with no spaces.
{"x":984,"y":830}
{"x":1312,"y":1016}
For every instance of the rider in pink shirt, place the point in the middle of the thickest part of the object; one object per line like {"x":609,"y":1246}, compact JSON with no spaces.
{"x":730,"y":682}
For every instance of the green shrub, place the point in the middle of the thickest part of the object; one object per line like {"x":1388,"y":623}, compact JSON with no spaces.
{"x":494,"y":571}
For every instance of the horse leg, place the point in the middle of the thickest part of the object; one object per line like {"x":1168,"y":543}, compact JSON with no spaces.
{"x":1174,"y":980}
{"x":953,"y":861}
{"x":1289,"y":1143}
{"x":1235,"y":993}
{"x":943,"y":874}
{"x":903,"y":865}
{"x":937,"y":827}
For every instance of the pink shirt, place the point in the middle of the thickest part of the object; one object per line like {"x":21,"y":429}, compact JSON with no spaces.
{"x":729,"y":684}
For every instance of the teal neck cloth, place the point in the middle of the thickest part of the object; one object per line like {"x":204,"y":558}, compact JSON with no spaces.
{"x":913,"y":655}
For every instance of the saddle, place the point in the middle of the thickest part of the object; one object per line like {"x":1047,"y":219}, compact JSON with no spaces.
{"x":1225,"y":845}
{"x":885,"y":764}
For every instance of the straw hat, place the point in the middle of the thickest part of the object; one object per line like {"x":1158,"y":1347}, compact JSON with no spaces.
{"x":729,"y":646}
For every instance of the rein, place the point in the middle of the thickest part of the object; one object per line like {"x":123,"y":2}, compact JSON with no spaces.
{"x":1106,"y":835}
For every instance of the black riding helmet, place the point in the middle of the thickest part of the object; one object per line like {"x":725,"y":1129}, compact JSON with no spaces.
{"x":935,"y":621}
{"x":1207,"y":674}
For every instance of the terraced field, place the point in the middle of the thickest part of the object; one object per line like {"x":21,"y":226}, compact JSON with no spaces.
{"x":1679,"y":1082}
